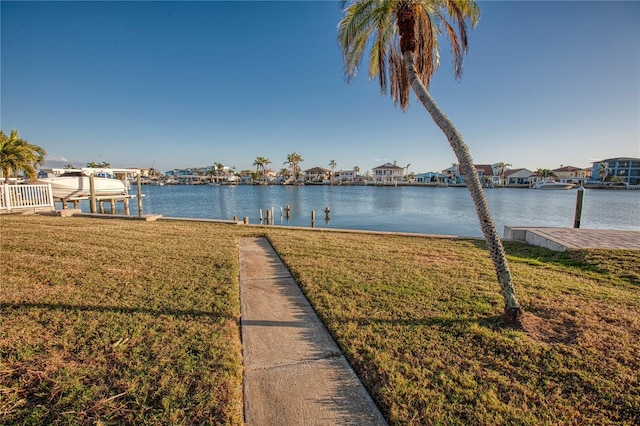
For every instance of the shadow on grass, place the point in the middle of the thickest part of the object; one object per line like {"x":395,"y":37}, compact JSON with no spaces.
{"x":190,"y":313}
{"x":613,"y":263}
{"x":493,"y":322}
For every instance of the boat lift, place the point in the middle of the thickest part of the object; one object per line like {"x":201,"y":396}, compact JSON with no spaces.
{"x":92,"y":172}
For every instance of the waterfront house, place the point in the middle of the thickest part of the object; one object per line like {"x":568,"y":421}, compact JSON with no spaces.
{"x":346,"y":175}
{"x":625,"y":170}
{"x":316,"y":174}
{"x":431,"y":177}
{"x":388,"y":173}
{"x":486,"y":173}
{"x":518,"y":177}
{"x":572,"y":174}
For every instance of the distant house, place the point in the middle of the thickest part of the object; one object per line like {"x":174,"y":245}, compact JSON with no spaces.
{"x":431,"y":177}
{"x":316,"y":174}
{"x":571,"y":174}
{"x":518,"y":177}
{"x":388,"y":173}
{"x":453,"y":173}
{"x":346,"y":175}
{"x":625,"y":170}
{"x":486,"y":173}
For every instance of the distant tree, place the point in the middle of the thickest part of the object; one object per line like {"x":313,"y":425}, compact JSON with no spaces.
{"x":545,"y":173}
{"x":500,"y":169}
{"x":356,"y":170}
{"x":101,"y":165}
{"x":261,"y":164}
{"x":17,"y":155}
{"x":406,"y":171}
{"x":285,"y":173}
{"x":68,"y":166}
{"x":332,"y":165}
{"x":293,"y":160}
{"x":603,"y":171}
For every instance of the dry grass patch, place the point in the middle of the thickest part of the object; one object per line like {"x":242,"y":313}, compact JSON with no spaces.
{"x":119,"y":322}
{"x":137,"y":323}
{"x":420,"y":319}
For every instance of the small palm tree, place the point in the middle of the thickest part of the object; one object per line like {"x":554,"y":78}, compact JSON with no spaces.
{"x":18,"y":155}
{"x":293,"y":160}
{"x":501,"y":168}
{"x":356,"y":170}
{"x":332,"y":165}
{"x":603,"y":170}
{"x":404,"y":54}
{"x":260,"y":164}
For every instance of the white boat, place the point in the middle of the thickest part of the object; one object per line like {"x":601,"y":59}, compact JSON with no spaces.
{"x":553,"y":184}
{"x":74,"y":184}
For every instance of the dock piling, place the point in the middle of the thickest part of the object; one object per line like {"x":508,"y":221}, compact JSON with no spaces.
{"x":579,"y":200}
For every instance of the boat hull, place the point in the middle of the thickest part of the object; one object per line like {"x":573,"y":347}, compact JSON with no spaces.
{"x":556,"y":186}
{"x":78,"y":186}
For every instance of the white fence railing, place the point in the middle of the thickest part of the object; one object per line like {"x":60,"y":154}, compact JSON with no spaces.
{"x":26,"y":197}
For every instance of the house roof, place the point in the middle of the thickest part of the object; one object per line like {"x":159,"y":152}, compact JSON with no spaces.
{"x":388,"y":166}
{"x":518,"y":173}
{"x":567,"y":169}
{"x":316,"y":171}
{"x":613,"y":160}
{"x":486,"y":169}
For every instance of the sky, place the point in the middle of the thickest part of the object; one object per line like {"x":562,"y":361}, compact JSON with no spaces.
{"x":190,"y":84}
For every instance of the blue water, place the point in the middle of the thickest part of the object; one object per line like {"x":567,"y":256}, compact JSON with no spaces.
{"x":427,"y":210}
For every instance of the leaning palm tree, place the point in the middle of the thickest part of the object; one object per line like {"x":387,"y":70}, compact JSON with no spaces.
{"x":18,"y":155}
{"x":402,"y":41}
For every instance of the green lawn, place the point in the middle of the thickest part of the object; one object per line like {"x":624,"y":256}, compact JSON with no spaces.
{"x":138,"y":322}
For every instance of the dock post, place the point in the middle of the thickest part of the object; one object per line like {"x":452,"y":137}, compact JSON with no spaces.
{"x":327,"y":212}
{"x":313,"y":218}
{"x":75,"y":204}
{"x":268,"y":216}
{"x":246,"y":220}
{"x":235,"y":218}
{"x":287,"y":211}
{"x":92,"y":191}
{"x":579,"y":200}
{"x":139,"y":187}
{"x":101,"y":205}
{"x":113,"y":206}
{"x":126,"y":206}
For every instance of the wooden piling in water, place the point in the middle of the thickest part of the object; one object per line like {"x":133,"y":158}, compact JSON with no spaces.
{"x":579,"y":200}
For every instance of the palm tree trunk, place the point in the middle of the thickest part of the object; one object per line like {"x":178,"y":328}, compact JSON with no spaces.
{"x":494,"y":243}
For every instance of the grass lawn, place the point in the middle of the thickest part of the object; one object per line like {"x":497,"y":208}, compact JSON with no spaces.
{"x":138,"y":322}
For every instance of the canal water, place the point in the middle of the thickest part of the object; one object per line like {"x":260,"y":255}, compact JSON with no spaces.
{"x":427,"y":210}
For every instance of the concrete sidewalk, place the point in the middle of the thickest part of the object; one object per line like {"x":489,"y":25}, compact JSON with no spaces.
{"x":294,"y":373}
